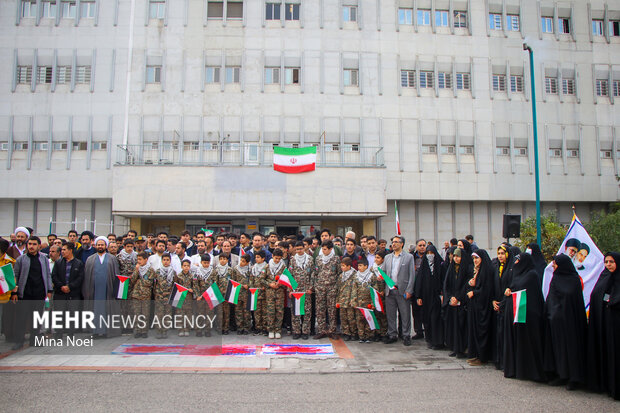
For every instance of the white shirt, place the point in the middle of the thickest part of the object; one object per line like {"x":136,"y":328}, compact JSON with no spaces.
{"x":195,"y":259}
{"x":101,"y":257}
{"x":395,"y":266}
{"x":155,"y":261}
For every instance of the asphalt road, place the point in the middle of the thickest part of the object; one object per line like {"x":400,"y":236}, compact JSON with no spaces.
{"x":475,"y":390}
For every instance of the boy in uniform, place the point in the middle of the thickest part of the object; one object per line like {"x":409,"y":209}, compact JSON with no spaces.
{"x":141,"y":285}
{"x":363,"y":299}
{"x":185,"y":279}
{"x":378,"y":284}
{"x":127,"y":260}
{"x":223,"y":273}
{"x":325,"y":273}
{"x":257,"y":274}
{"x":241,"y":274}
{"x":163,"y":289}
{"x":274,"y":294}
{"x":203,"y":278}
{"x":346,"y":299}
{"x":301,"y":269}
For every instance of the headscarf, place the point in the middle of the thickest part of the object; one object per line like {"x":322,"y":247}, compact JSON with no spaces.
{"x":537,"y":258}
{"x":503,"y":265}
{"x":565,"y":267}
{"x":102,"y":238}
{"x":436,"y":260}
{"x":24,"y":230}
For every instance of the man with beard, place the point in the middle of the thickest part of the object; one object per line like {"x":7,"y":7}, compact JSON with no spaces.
{"x":86,"y":250}
{"x":19,"y":247}
{"x":155,"y":259}
{"x":67,"y":275}
{"x":372,"y":248}
{"x":257,"y":245}
{"x":98,"y":288}
{"x":201,"y":248}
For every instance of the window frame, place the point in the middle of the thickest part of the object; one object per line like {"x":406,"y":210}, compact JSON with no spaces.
{"x":275,"y":11}
{"x":212,"y":75}
{"x":513,"y":23}
{"x":551,"y":85}
{"x":442,"y":18}
{"x":460,"y":19}
{"x":290,"y":15}
{"x":602,"y":87}
{"x":426,"y":79}
{"x":405,"y":16}
{"x":423,"y":17}
{"x":546,"y":24}
{"x":289,"y":75}
{"x":464,"y":78}
{"x":350,"y":77}
{"x":495,"y":21}
{"x":410,"y":78}
{"x":272,"y":75}
{"x":156,"y":71}
{"x":349,"y":13}
{"x":233,"y":75}
{"x":516,"y":84}
{"x":598,"y":27}
{"x":499,"y":82}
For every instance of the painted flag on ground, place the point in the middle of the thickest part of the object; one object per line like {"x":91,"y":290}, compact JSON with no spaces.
{"x":47,"y":302}
{"x":287,"y":279}
{"x":252,"y":299}
{"x":178,"y":295}
{"x":376,"y":299}
{"x":294,"y":160}
{"x":587,"y":259}
{"x":123,"y":287}
{"x":369,"y":315}
{"x":7,"y":278}
{"x":384,"y":277}
{"x":213,"y":296}
{"x":397,"y":218}
{"x":300,"y":303}
{"x":519,"y":306}
{"x":232,"y":292}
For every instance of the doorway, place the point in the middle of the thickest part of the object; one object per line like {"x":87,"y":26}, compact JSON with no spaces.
{"x":284,"y":231}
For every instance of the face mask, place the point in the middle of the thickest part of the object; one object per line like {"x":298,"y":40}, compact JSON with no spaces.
{"x":529,"y":251}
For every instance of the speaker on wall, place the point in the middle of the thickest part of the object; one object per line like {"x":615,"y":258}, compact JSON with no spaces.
{"x":512,"y":226}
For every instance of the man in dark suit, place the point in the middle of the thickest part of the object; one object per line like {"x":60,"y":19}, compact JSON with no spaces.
{"x":67,"y":276}
{"x":399,"y":266}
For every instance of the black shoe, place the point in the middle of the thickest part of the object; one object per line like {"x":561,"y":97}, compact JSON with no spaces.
{"x":572,"y":385}
{"x":137,"y":335}
{"x":418,"y":336}
{"x":320,"y":336}
{"x":145,"y":335}
{"x":557,"y":382}
{"x":453,"y":354}
{"x":439,"y":347}
{"x":198,"y":333}
{"x":346,"y":337}
{"x":461,"y":356}
{"x":225,"y":332}
{"x":407,"y":341}
{"x":389,"y":340}
{"x":296,"y":336}
{"x":17,"y":346}
{"x":239,"y":332}
{"x":334,"y":336}
{"x":207,"y":334}
{"x":304,"y":336}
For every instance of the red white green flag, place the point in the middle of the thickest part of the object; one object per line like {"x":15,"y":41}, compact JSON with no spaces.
{"x":213,"y":296}
{"x":177,"y":296}
{"x":47,"y":302}
{"x":294,"y":160}
{"x":252,"y":299}
{"x":300,"y":303}
{"x":123,"y":287}
{"x":385,"y":278}
{"x":397,"y":218}
{"x":519,"y":306}
{"x":287,"y":279}
{"x":7,"y":278}
{"x":376,"y":299}
{"x":232,"y":292}
{"x":369,"y":315}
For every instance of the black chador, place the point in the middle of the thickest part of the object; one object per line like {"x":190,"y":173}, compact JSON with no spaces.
{"x":480,"y":309}
{"x":454,"y":294}
{"x":428,"y":287}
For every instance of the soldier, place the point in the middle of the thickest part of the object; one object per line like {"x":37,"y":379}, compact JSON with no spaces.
{"x":346,"y":299}
{"x":378,"y":284}
{"x":185,"y":279}
{"x":141,"y":285}
{"x":163,"y":289}
{"x":326,"y":272}
{"x":363,"y":299}
{"x":241,"y":274}
{"x":127,"y":260}
{"x":257,"y":273}
{"x":301,"y":268}
{"x":274,"y":294}
{"x":203,"y":278}
{"x":223,"y":273}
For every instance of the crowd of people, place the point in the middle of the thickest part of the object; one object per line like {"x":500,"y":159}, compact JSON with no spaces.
{"x":458,"y":297}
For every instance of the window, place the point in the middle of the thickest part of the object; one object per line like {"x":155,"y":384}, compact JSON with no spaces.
{"x":63,"y":75}
{"x":24,"y":74}
{"x":616,"y":88}
{"x":153,"y":74}
{"x":564,"y":25}
{"x":441,"y":18}
{"x":100,"y":146}
{"x":605,"y":154}
{"x":602,"y":88}
{"x":215,"y":10}
{"x":573,"y":153}
{"x":499,"y":83}
{"x":59,"y":146}
{"x":462,"y":81}
{"x":555,"y":153}
{"x":429,"y":149}
{"x":547,"y":24}
{"x":448,"y":149}
{"x":29,"y":9}
{"x":350,"y":77}
{"x":291,"y":11}
{"x":332,"y":147}
{"x":495,"y":21}
{"x":191,"y":146}
{"x":444,"y":80}
{"x":516,"y":84}
{"x":4,"y":146}
{"x":426,"y":79}
{"x":212,"y":74}
{"x":44,"y":74}
{"x":233,"y":74}
{"x":39,"y":146}
{"x":568,"y":86}
{"x":513,"y":23}
{"x":272,"y":11}
{"x":79,"y":146}
{"x":551,"y":85}
{"x":234,"y":10}
{"x":597,"y":27}
{"x":82,"y":74}
{"x":521,"y":151}
{"x":87,"y":9}
{"x":49,"y":9}
{"x":69,"y":9}
{"x":349,"y":13}
{"x":407,"y":78}
{"x":466,"y":150}
{"x":614,"y":28}
{"x":272,"y":75}
{"x":157,"y":9}
{"x":502,"y":151}
{"x":20,"y":146}
{"x":460,"y":19}
{"x":424,"y":17}
{"x":291,"y":75}
{"x":405,"y":16}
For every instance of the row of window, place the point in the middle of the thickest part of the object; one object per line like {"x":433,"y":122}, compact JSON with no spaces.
{"x":56,"y":146}
{"x":45,"y":74}
{"x":64,"y":9}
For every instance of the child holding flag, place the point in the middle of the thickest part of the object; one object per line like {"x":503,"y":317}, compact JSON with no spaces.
{"x":346,"y":300}
{"x":378,"y":284}
{"x":223,"y":274}
{"x":185,"y":279}
{"x":257,"y":274}
{"x":163,"y":288}
{"x":200,"y":282}
{"x":241,"y":274}
{"x":142,"y":281}
{"x":301,"y":268}
{"x":363,"y":298}
{"x":275,"y":294}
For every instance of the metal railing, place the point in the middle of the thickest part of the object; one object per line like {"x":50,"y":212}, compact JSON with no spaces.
{"x":246,"y":154}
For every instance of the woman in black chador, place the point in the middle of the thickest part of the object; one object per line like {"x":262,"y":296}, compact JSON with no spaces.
{"x":480,"y":310}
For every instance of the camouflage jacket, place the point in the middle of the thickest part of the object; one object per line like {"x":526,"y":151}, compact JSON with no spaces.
{"x":127,"y":263}
{"x":270,"y":275}
{"x":185,"y":280}
{"x":221,"y":277}
{"x":325,"y":275}
{"x":362,"y":291}
{"x":347,"y":290}
{"x":142,"y":285}
{"x":377,"y":282}
{"x":163,"y":288}
{"x":256,"y":277}
{"x":201,"y":280}
{"x":303,"y":275}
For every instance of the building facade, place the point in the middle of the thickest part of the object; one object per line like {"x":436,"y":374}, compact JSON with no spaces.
{"x":163,"y":114}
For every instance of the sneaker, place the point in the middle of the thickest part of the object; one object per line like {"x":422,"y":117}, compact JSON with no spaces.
{"x":361,"y":340}
{"x":271,"y":335}
{"x":278,"y":335}
{"x":181,"y":334}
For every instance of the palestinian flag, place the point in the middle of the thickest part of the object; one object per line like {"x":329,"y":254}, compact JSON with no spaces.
{"x":519,"y":306}
{"x":287,"y":279}
{"x":123,"y":287}
{"x":178,"y":295}
{"x":384,"y":277}
{"x":294,"y":160}
{"x":252,"y":299}
{"x":369,"y":315}
{"x":232,"y":292}
{"x":300,"y":303}
{"x":376,"y":299}
{"x":213,"y":296}
{"x":7,"y":278}
{"x":397,"y":218}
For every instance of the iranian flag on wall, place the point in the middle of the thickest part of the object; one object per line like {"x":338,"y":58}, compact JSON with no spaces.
{"x":294,"y":160}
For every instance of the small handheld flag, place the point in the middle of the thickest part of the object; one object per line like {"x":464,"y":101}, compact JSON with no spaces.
{"x":397,"y":218}
{"x":376,"y":299}
{"x":390,"y":282}
{"x":300,"y":303}
{"x":252,"y":299}
{"x":519,"y":306}
{"x":47,"y":302}
{"x":287,"y":279}
{"x":369,"y":315}
{"x":123,"y":287}
{"x":213,"y":296}
{"x":232,"y":292}
{"x":7,"y":278}
{"x":177,"y":296}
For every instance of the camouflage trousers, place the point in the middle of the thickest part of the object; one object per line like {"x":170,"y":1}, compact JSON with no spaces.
{"x":142,"y":313}
{"x":202,"y":310}
{"x":347,"y":321}
{"x":260,"y":322}
{"x":275,"y":309}
{"x":326,"y":302}
{"x":382,"y":319}
{"x":162,"y":313}
{"x":224,"y":315}
{"x":127,"y":308}
{"x":243,"y":318}
{"x":186,"y":312}
{"x":363,"y":329}
{"x":300,"y":326}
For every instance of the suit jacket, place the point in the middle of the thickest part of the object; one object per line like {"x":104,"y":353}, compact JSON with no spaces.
{"x":406,"y":274}
{"x":22,"y":268}
{"x":76,"y":278}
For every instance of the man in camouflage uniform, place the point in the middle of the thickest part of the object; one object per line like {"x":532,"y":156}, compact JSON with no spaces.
{"x":378,"y":284}
{"x":127,"y":260}
{"x":274,"y":294}
{"x":141,"y":285}
{"x":163,"y":289}
{"x":326,"y":272}
{"x":241,"y":274}
{"x":301,"y":268}
{"x":346,"y":299}
{"x":257,"y":274}
{"x":204,"y":276}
